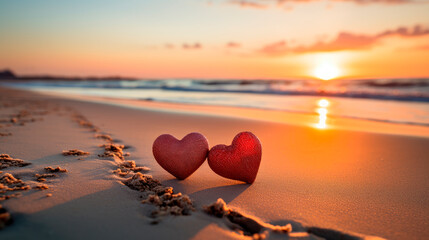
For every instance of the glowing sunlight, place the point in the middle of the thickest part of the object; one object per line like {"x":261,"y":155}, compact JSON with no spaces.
{"x":326,"y":71}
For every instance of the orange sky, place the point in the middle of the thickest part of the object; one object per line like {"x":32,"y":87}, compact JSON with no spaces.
{"x":217,"y":39}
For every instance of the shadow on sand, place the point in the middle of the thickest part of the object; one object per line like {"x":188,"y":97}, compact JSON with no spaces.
{"x":228,"y":193}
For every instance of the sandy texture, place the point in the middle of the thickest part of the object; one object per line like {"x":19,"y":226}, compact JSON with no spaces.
{"x":7,"y":161}
{"x":318,"y":181}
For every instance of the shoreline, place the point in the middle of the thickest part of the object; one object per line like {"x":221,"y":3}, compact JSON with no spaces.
{"x":275,"y":116}
{"x":292,"y":190}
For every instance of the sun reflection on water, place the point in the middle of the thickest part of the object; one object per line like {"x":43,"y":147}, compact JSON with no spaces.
{"x":323,"y":103}
{"x":322,"y":111}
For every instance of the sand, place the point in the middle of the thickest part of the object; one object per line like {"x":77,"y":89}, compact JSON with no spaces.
{"x":333,"y":183}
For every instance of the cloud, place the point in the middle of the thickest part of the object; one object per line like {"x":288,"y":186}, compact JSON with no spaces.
{"x":249,"y":4}
{"x":233,"y":45}
{"x":415,"y":31}
{"x":364,"y":2}
{"x":277,"y":48}
{"x":263,"y":4}
{"x":343,"y":41}
{"x":192,"y":46}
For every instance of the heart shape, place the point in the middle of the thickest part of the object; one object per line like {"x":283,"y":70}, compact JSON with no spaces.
{"x":183,"y":157}
{"x":239,"y":161}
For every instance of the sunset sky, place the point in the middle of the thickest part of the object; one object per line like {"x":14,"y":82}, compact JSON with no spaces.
{"x":277,"y":39}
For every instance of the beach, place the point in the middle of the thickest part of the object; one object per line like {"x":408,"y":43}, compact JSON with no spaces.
{"x":354,"y":181}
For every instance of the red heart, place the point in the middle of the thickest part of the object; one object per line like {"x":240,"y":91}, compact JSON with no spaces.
{"x":240,"y":160}
{"x":183,"y":157}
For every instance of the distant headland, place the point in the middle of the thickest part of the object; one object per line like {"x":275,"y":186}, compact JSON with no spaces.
{"x":7,"y":74}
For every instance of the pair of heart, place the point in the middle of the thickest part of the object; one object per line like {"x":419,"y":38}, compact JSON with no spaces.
{"x":238,"y":161}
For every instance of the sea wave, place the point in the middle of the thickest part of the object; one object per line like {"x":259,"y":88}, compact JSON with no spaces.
{"x":404,"y":89}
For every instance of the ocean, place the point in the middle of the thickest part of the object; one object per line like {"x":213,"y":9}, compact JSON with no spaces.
{"x":403,"y":101}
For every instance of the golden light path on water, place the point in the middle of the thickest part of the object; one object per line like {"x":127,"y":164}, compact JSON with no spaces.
{"x":322,"y":112}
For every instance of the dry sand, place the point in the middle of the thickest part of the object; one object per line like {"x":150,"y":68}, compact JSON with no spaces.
{"x":349,"y":181}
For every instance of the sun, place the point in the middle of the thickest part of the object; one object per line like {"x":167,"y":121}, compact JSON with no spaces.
{"x":326,"y":71}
